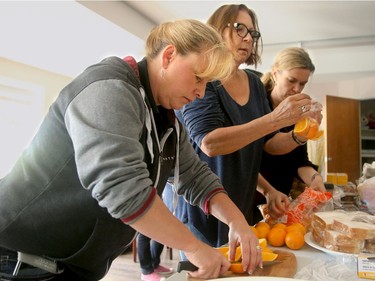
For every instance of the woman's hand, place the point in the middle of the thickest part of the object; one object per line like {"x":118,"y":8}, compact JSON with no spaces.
{"x":291,"y":109}
{"x":241,"y":235}
{"x":277,"y":203}
{"x":316,"y":111}
{"x":210,"y":262}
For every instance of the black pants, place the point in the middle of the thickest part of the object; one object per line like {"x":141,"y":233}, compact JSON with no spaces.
{"x":8,"y":261}
{"x":149,"y":252}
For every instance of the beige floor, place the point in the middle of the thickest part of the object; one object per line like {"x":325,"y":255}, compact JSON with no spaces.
{"x":125,"y":269}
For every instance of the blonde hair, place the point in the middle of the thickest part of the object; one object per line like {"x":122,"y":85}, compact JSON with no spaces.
{"x":193,"y":36}
{"x":287,"y":59}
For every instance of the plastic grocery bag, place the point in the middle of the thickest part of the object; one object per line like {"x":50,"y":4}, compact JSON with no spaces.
{"x":366,"y":191}
{"x":308,"y":202}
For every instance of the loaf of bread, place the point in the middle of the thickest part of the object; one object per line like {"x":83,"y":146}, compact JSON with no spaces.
{"x":354,"y":229}
{"x":340,"y":242}
{"x":342,"y":231}
{"x":324,"y":220}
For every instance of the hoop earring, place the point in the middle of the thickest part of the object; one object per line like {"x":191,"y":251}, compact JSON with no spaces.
{"x":162,"y":73}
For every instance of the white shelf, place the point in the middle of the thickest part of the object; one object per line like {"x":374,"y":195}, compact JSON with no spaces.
{"x":367,"y":153}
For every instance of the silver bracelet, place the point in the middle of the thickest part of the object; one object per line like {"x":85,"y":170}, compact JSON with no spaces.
{"x":314,"y":176}
{"x":297,"y":140}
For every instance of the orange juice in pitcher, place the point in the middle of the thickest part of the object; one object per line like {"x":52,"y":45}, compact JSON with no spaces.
{"x":308,"y":128}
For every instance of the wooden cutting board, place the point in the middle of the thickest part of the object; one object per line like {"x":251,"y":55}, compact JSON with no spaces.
{"x":287,"y":267}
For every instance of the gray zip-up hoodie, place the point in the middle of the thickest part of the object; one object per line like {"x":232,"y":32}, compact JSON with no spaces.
{"x":101,"y":155}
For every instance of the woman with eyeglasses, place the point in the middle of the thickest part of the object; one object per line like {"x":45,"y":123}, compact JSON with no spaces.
{"x":232,"y":125}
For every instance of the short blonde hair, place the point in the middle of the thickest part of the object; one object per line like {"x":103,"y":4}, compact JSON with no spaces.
{"x":193,"y":36}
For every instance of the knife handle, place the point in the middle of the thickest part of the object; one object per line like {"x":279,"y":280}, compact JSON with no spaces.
{"x":186,"y":265}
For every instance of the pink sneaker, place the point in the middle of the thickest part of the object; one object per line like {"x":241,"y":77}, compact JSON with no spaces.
{"x":152,"y":277}
{"x":163,"y":270}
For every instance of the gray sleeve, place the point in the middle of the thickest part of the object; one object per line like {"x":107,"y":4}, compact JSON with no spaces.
{"x":105,"y":123}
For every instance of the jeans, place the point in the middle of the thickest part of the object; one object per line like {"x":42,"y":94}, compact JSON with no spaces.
{"x":149,"y":252}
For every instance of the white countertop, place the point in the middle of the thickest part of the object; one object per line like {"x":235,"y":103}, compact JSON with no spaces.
{"x":316,"y":265}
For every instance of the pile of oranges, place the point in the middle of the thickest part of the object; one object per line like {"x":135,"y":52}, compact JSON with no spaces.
{"x":280,"y":234}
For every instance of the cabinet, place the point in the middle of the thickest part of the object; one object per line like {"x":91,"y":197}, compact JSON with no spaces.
{"x":367,"y":131}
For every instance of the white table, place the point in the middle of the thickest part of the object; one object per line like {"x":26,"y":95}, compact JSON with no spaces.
{"x":320,"y":266}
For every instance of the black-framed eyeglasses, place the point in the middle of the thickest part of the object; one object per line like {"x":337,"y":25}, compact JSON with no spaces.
{"x":243,"y":31}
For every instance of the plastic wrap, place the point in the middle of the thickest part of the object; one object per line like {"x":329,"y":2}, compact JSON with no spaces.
{"x":366,"y":191}
{"x":346,"y":232}
{"x":336,"y":268}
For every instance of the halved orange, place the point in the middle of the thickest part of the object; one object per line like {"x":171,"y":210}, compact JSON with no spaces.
{"x":318,"y":135}
{"x":236,"y":267}
{"x":266,"y":249}
{"x":224,"y":251}
{"x":263,"y":243}
{"x":307,"y":127}
{"x":302,"y":127}
{"x":268,"y":256}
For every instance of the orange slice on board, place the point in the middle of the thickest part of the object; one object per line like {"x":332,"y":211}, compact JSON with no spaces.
{"x":268,"y":256}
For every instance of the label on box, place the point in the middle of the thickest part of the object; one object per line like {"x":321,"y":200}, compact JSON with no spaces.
{"x":366,"y":266}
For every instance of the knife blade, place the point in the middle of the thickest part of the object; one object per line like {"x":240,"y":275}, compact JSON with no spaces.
{"x":179,"y":276}
{"x":188,"y":266}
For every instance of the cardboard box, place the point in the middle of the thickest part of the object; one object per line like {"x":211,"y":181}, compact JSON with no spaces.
{"x":337,"y":178}
{"x":366,"y":266}
{"x":342,"y":178}
{"x":332,"y":178}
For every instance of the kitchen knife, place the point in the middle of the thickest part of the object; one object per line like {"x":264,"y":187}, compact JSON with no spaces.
{"x":179,"y":276}
{"x":188,"y":266}
{"x":183,"y":268}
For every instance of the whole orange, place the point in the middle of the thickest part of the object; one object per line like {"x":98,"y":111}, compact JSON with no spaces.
{"x":262,"y":231}
{"x":253,"y":229}
{"x":276,"y":237}
{"x":294,"y":227}
{"x":300,"y":226}
{"x":263,"y":223}
{"x":280,"y":225}
{"x":294,"y":240}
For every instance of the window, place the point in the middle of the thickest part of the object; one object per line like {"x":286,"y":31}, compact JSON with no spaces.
{"x":21,"y":111}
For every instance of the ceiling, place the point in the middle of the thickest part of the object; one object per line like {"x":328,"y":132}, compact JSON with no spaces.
{"x":67,"y":36}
